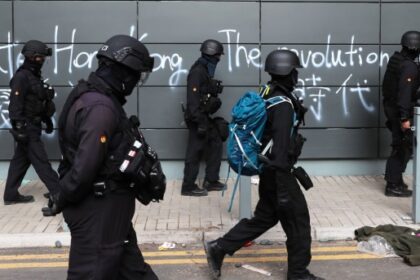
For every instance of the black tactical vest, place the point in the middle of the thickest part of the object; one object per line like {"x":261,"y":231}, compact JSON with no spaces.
{"x":391,"y":78}
{"x":38,"y":101}
{"x":119,"y":143}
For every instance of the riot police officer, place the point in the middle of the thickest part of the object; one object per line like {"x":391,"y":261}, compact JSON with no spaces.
{"x":204,"y":137}
{"x":30,"y":105}
{"x":400,"y":84}
{"x":281,"y":198}
{"x":97,"y":143}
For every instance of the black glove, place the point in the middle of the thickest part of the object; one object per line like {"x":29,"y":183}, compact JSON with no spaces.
{"x":49,"y":127}
{"x":56,"y":204}
{"x":157,"y":181}
{"x":18,"y":131}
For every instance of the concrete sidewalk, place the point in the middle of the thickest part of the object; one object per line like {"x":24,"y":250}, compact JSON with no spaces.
{"x":338,"y":205}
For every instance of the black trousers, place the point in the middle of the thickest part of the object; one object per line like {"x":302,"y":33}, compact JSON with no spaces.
{"x":402,"y":148}
{"x":293,"y":216}
{"x":32,"y":152}
{"x":103,"y":240}
{"x":210,"y":147}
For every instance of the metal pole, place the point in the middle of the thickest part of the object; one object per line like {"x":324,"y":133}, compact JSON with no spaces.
{"x":416,"y":168}
{"x":245,"y":210}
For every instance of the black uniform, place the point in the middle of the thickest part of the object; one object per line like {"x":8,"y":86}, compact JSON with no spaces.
{"x":401,"y":82}
{"x":30,"y":105}
{"x":203,"y":137}
{"x":104,"y":244}
{"x":281,"y":198}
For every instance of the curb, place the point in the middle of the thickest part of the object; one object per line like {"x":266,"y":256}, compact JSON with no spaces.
{"x":28,"y":240}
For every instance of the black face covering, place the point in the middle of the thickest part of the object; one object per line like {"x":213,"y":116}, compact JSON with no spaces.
{"x":289,"y":81}
{"x":412,"y":54}
{"x":122,"y":79}
{"x":33,"y":66}
{"x":211,"y":62}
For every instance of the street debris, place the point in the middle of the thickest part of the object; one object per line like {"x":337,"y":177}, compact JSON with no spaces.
{"x":167,"y":246}
{"x":253,"y":268}
{"x":266,"y":242}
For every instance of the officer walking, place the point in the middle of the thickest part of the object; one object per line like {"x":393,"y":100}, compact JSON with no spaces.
{"x":401,"y":82}
{"x":30,"y":105}
{"x":202,"y":101}
{"x":97,"y":201}
{"x":281,"y":198}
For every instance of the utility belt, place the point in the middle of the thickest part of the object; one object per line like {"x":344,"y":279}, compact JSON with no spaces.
{"x":101,"y":188}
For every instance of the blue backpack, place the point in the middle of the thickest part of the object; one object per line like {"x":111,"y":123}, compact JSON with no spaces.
{"x":249,"y":116}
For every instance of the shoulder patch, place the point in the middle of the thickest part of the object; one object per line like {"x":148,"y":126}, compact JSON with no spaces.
{"x":17,"y":93}
{"x":194,"y":89}
{"x":409,"y":80}
{"x":103,"y":139}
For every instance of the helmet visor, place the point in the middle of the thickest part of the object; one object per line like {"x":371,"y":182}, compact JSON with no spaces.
{"x":143,"y":78}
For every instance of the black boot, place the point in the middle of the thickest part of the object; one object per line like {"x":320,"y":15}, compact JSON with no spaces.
{"x":397,"y":190}
{"x":193,"y":191}
{"x":215,"y":255}
{"x":213,"y":186}
{"x":310,"y":276}
{"x":404,"y":185}
{"x":20,"y":199}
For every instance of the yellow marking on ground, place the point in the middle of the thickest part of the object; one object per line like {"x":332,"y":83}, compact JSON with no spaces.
{"x":33,"y":257}
{"x":182,"y":253}
{"x":33,"y":265}
{"x":198,"y":261}
{"x":250,"y":252}
{"x":186,"y":253}
{"x":262,"y":259}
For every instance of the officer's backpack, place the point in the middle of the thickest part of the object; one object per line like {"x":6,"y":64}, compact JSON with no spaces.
{"x":244,"y":146}
{"x":249,"y":116}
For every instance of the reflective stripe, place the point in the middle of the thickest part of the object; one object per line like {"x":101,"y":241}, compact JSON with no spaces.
{"x":255,"y":138}
{"x":243,"y":151}
{"x":268,"y":147}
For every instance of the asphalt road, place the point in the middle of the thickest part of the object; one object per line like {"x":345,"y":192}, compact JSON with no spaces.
{"x":331,"y":261}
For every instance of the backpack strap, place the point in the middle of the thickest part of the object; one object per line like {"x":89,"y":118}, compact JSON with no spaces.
{"x":273,"y":101}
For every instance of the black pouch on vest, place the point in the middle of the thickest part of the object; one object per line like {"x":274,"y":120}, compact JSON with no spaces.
{"x":132,"y":165}
{"x":303,"y":177}
{"x":222,"y":127}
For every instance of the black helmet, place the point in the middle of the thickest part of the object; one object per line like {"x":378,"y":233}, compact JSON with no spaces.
{"x":211,"y":47}
{"x":411,"y":40}
{"x":127,"y":51}
{"x":36,"y":48}
{"x":281,"y":62}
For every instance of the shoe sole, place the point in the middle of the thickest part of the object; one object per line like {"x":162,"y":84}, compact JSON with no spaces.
{"x":190,"y":194}
{"x":396,"y":195}
{"x":216,"y":190}
{"x":17,"y":202}
{"x":215,"y":274}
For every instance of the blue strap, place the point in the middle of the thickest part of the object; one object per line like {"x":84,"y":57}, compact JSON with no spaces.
{"x":227,"y":178}
{"x":234,"y":189}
